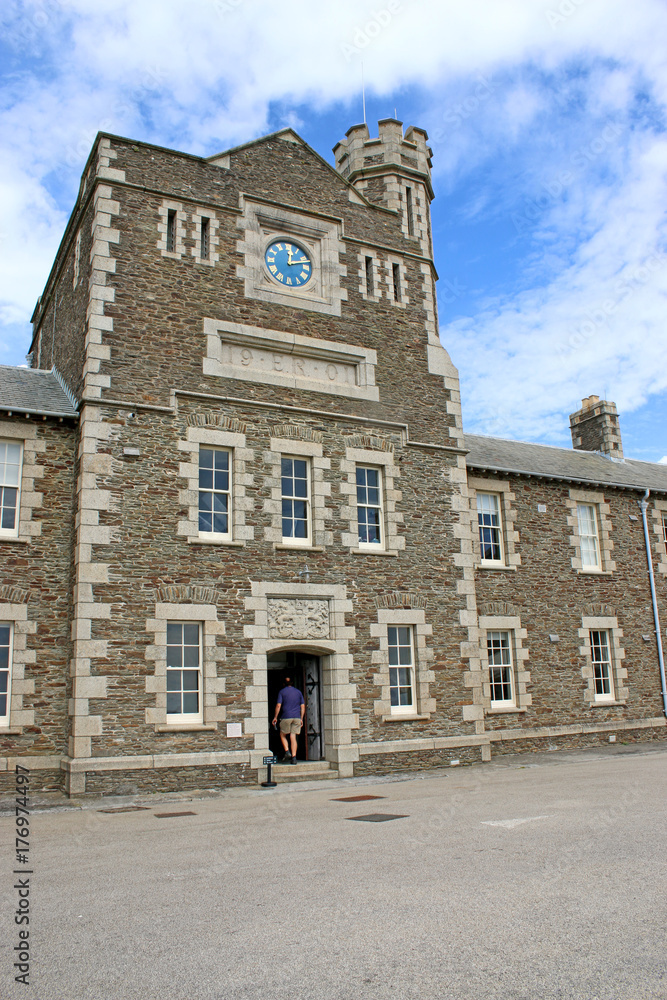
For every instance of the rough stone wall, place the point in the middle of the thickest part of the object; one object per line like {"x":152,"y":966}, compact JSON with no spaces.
{"x":551,"y":598}
{"x":41,"y":568}
{"x":146,"y":553}
{"x":170,"y":779}
{"x":159,"y":303}
{"x":59,"y":329}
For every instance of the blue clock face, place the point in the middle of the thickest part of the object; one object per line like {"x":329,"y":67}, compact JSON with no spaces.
{"x":288,"y":263}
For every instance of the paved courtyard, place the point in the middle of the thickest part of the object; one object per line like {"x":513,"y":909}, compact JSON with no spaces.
{"x":534,"y":877}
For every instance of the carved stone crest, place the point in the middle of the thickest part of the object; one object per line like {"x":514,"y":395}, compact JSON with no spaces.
{"x":297,"y":618}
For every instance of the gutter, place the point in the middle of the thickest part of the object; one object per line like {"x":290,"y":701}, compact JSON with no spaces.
{"x":643,"y":503}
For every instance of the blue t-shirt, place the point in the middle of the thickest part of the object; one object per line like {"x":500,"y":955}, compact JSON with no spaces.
{"x":291,"y":700}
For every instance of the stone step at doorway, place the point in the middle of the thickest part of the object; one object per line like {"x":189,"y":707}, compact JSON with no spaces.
{"x":304,"y":770}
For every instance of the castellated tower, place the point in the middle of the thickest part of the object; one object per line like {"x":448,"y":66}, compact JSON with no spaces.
{"x":393,"y":170}
{"x":595,"y":427}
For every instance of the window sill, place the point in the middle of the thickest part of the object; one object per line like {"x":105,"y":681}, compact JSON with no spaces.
{"x":374,"y":552}
{"x":500,"y":566}
{"x":188,"y":727}
{"x":594,"y":572}
{"x":510,"y":710}
{"x":15,"y":539}
{"x":215,"y":541}
{"x":405,"y":718}
{"x":11,"y":730}
{"x":281,"y":547}
{"x":606,"y":704}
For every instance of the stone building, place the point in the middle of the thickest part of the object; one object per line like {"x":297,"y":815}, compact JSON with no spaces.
{"x":238,"y":451}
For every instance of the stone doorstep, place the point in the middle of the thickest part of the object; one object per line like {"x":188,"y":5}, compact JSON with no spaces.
{"x":305,"y":770}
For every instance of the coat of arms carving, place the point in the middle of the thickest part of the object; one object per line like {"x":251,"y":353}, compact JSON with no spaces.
{"x":296,"y":618}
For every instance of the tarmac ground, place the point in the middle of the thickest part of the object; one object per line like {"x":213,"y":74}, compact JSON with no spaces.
{"x":540,"y":877}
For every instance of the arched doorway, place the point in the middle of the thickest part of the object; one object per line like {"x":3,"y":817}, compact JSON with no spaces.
{"x":305,"y":669}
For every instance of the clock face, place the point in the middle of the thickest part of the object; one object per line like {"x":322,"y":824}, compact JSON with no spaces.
{"x":288,"y":263}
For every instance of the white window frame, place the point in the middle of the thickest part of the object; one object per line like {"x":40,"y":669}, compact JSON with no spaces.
{"x":590,"y":498}
{"x":11,"y":532}
{"x":497,"y":497}
{"x":4,"y":719}
{"x":618,"y":674}
{"x":182,"y":718}
{"x":219,"y":433}
{"x":371,"y":452}
{"x":664,"y":531}
{"x":607,"y":674}
{"x":402,"y":709}
{"x":492,"y":636}
{"x":394,"y":610}
{"x":522,"y":699}
{"x":218,"y":535}
{"x":589,"y":567}
{"x":381,"y":544}
{"x":306,"y":541}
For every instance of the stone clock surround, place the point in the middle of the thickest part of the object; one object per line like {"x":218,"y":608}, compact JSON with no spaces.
{"x":263,"y":223}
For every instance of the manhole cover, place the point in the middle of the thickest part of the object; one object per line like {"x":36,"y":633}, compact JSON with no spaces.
{"x":170,"y":815}
{"x":359,"y":798}
{"x":124,"y":809}
{"x":378,"y":817}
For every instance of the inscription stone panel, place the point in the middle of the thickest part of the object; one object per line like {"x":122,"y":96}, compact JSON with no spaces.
{"x":301,"y":367}
{"x":296,"y":618}
{"x":257,"y":354}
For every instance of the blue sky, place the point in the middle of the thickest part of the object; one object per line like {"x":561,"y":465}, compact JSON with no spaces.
{"x":548,"y":127}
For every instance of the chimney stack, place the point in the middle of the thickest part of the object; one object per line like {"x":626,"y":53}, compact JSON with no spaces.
{"x":595,"y":427}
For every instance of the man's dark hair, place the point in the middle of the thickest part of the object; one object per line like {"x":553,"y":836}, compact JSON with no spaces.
{"x":288,"y":679}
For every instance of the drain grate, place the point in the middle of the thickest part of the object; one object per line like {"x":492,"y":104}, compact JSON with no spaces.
{"x":378,"y":817}
{"x":124,"y":809}
{"x":359,"y":798}
{"x":170,"y":815}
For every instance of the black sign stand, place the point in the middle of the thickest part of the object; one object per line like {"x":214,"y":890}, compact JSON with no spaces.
{"x":268,"y":761}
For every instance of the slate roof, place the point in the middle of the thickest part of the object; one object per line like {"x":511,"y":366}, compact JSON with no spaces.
{"x":545,"y":461}
{"x":33,"y":390}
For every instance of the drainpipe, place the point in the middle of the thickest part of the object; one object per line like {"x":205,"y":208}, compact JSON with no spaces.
{"x":643,"y":503}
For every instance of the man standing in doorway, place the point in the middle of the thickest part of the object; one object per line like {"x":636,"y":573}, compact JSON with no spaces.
{"x":290,"y":701}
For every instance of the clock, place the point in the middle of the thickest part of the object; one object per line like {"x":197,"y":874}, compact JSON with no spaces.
{"x":288,"y":263}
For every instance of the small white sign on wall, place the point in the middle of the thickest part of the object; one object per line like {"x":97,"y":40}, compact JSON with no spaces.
{"x":234,"y":729}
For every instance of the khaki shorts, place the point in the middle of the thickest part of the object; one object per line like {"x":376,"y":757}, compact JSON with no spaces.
{"x":290,"y":726}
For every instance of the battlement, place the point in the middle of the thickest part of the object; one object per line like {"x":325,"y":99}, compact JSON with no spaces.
{"x":359,"y":156}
